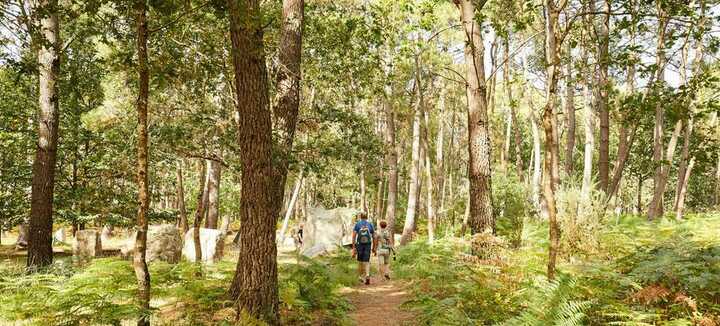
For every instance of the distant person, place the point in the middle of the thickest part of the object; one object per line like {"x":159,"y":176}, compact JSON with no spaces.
{"x":362,"y":244}
{"x":299,"y":236}
{"x":383,"y":241}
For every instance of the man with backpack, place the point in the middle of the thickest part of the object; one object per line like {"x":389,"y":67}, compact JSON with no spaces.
{"x":363,"y":243}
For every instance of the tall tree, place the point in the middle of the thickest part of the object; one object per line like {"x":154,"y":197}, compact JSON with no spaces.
{"x":255,"y":285}
{"x":414,"y":186}
{"x":656,"y":207}
{"x":602,"y":31}
{"x":45,"y":36}
{"x":213,"y":193}
{"x":286,"y":104}
{"x":569,"y":113}
{"x":391,"y":160}
{"x":481,"y":218}
{"x":139,"y":263}
{"x":183,"y":223}
{"x":553,"y":43}
{"x":200,"y":209}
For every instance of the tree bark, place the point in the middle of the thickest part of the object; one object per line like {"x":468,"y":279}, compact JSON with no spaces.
{"x":202,"y":202}
{"x":588,"y":120}
{"x":181,"y":199}
{"x":481,"y":217}
{"x":602,"y":98}
{"x":414,"y":185}
{"x":290,"y":208}
{"x":363,"y":191}
{"x":391,"y":158}
{"x":684,"y":169}
{"x":569,"y":115}
{"x":655,"y":209}
{"x":510,"y":109}
{"x":47,"y":44}
{"x":551,"y":166}
{"x":287,"y":98}
{"x":213,"y":196}
{"x":624,"y":146}
{"x":536,"y":151}
{"x":683,"y":190}
{"x":255,"y":285}
{"x":429,"y":189}
{"x":139,"y":264}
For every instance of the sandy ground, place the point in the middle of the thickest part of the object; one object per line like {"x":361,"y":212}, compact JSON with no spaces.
{"x":378,"y":304}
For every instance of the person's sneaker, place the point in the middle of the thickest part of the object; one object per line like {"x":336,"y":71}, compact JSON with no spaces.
{"x":387,"y":277}
{"x":367,"y":281}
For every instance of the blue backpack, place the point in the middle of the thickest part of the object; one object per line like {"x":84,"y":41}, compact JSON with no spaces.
{"x":364,"y":236}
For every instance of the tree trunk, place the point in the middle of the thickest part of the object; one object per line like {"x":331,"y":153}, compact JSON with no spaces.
{"x":202,"y":203}
{"x":602,"y":99}
{"x":255,"y":285}
{"x":290,"y":208}
{"x":588,"y":119}
{"x":139,"y":264}
{"x":379,"y":198}
{"x":639,"y":196}
{"x":391,"y":159}
{"x":213,"y":196}
{"x":535,"y":157}
{"x":683,"y":190}
{"x":439,"y":181}
{"x":510,"y":109}
{"x":624,"y":146}
{"x":46,"y":42}
{"x":684,"y":167}
{"x":569,"y":115}
{"x":481,"y":217}
{"x":429,"y":189}
{"x":181,"y":199}
{"x":551,"y":166}
{"x":363,"y":191}
{"x":414,"y":186}
{"x":287,"y":98}
{"x":655,"y":209}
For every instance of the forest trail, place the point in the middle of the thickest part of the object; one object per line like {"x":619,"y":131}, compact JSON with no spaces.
{"x":379,"y":303}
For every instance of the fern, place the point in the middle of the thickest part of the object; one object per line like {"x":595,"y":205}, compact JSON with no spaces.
{"x":553,"y":303}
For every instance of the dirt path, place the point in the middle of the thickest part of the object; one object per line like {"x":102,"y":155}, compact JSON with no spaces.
{"x":378,"y":304}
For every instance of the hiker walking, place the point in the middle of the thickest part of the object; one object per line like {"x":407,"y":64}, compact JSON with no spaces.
{"x":384,"y":246}
{"x":363,"y":238}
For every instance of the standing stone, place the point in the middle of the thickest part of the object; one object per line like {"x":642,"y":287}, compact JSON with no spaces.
{"x":212,"y":244}
{"x":163,"y":243}
{"x":87,"y":245}
{"x":22,"y":236}
{"x":59,"y":236}
{"x":107,"y":233}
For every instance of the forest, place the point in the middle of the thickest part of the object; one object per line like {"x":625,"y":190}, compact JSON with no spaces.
{"x":203,"y":162}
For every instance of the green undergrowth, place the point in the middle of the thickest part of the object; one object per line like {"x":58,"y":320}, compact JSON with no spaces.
{"x":103,"y":293}
{"x":633,"y":272}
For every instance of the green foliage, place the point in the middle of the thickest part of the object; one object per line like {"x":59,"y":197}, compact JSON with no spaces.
{"x":308,"y":293}
{"x":510,"y":206}
{"x":553,"y":303}
{"x":104,"y":292}
{"x":640,"y":273}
